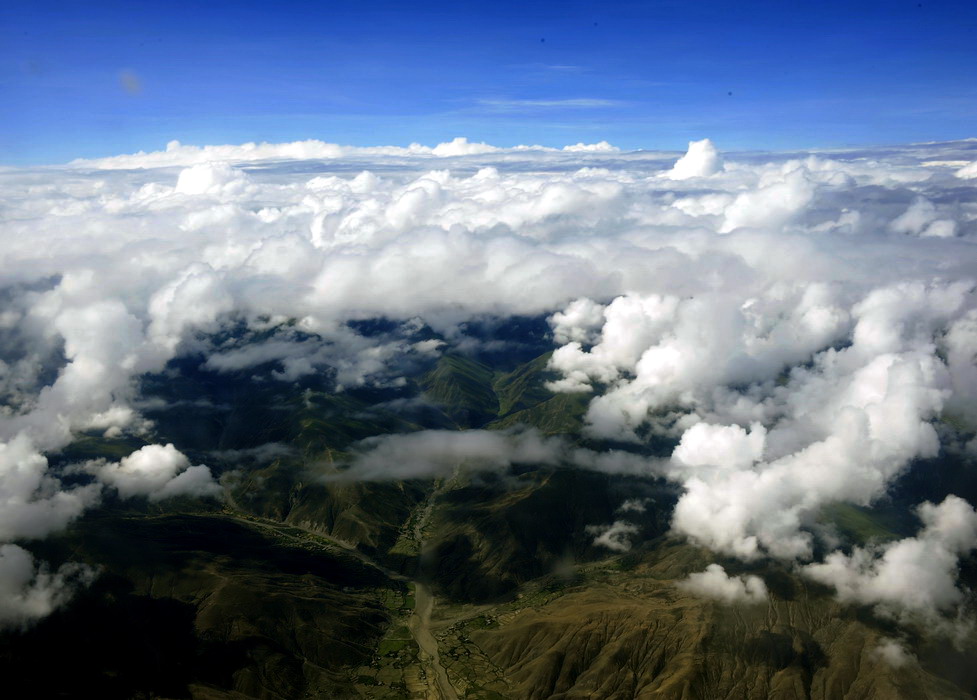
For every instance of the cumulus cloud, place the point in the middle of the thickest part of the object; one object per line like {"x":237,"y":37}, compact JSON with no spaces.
{"x":211,"y":178}
{"x":854,"y":415}
{"x":460,"y":146}
{"x":599,"y":147}
{"x":578,"y":323}
{"x":911,"y":578}
{"x":795,"y":324}
{"x":701,"y":160}
{"x":157,"y":472}
{"x":722,"y":446}
{"x":715,"y":583}
{"x":28,"y":591}
{"x":922,"y":219}
{"x":968,"y":172}
{"x":33,"y":502}
{"x":779,"y":198}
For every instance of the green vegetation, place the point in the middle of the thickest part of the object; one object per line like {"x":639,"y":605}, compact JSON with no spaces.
{"x":463,"y":388}
{"x":860,"y":525}
{"x":475,"y":396}
{"x":92,"y":446}
{"x":523,"y":388}
{"x":392,"y":646}
{"x":561,"y":414}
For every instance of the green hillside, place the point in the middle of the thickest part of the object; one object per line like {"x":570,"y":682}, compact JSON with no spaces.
{"x":462,"y":387}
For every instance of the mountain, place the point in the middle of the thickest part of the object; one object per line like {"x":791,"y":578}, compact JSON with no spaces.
{"x":304,"y":582}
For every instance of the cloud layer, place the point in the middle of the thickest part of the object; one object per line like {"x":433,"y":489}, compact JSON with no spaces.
{"x":799,"y":323}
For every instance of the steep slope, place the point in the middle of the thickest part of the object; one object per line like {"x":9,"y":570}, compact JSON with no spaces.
{"x":462,"y":386}
{"x":473,"y":394}
{"x":614,"y":634}
{"x":198,"y":604}
{"x":365,"y":515}
{"x":490,"y":536}
{"x":523,"y":387}
{"x":561,"y":414}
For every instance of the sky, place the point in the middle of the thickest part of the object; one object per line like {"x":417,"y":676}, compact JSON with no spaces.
{"x":97,"y":79}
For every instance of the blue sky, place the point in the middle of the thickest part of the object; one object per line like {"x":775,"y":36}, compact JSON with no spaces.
{"x":93,"y":79}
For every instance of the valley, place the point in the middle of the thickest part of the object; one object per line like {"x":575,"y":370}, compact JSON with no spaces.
{"x":476,"y":584}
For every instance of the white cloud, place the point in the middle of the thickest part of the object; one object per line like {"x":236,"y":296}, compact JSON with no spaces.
{"x":158,"y":472}
{"x":723,"y":446}
{"x":29,"y":592}
{"x":433,"y":453}
{"x":854,"y":416}
{"x":428,"y":454}
{"x":578,"y":323}
{"x":701,"y":160}
{"x":968,"y":172}
{"x":211,"y":178}
{"x":460,"y":146}
{"x":33,"y":503}
{"x":355,"y":360}
{"x":616,"y":536}
{"x":513,"y":105}
{"x":715,"y":583}
{"x":910,"y":578}
{"x":772,"y":204}
{"x":892,"y":652}
{"x":184,"y":155}
{"x":782,"y":318}
{"x":633,"y":505}
{"x":922,"y":219}
{"x":599,"y":147}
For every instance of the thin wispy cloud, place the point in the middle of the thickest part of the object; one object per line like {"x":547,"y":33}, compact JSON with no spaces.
{"x":560,"y":68}
{"x":524,"y":105}
{"x":543,"y":68}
